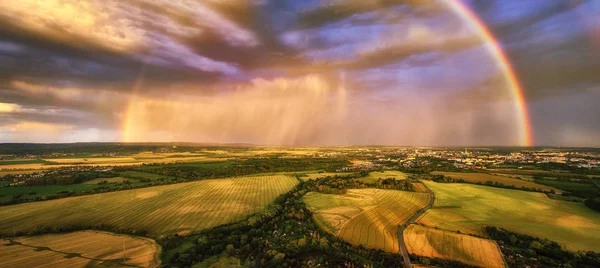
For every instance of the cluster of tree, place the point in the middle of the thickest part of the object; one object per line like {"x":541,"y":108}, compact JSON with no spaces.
{"x":283,"y":236}
{"x":593,"y":203}
{"x":334,"y":185}
{"x":247,"y":167}
{"x":391,"y":183}
{"x":527,"y":251}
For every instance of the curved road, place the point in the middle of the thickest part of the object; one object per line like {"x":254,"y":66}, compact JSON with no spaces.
{"x":411,"y":220}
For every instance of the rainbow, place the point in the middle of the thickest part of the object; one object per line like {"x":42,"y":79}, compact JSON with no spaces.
{"x":468,"y":17}
{"x":496,"y":51}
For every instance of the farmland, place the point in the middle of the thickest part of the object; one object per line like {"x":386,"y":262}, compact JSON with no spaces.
{"x":435,"y":243}
{"x":483,"y":178}
{"x":369,"y":217}
{"x":79,"y":249}
{"x":376,"y":175}
{"x":183,"y":207}
{"x":467,"y":208}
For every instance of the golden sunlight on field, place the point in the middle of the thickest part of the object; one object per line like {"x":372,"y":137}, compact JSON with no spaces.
{"x":79,"y":249}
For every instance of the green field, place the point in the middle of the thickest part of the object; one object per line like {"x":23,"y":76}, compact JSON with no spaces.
{"x":467,"y":208}
{"x":507,"y":181}
{"x":79,"y":249}
{"x":584,"y":188}
{"x":368,"y":217}
{"x":33,"y":192}
{"x":435,"y":243}
{"x":376,"y":175}
{"x":182,"y":207}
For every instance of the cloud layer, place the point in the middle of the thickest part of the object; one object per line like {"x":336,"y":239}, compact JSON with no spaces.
{"x":291,"y":72}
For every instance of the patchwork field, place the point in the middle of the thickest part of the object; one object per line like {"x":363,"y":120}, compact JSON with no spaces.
{"x":366,"y":216}
{"x":79,"y":249}
{"x":182,"y":207}
{"x":483,"y":178}
{"x":467,"y":207}
{"x":375,"y":175}
{"x":435,"y":243}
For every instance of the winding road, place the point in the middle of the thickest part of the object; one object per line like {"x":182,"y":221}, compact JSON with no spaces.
{"x":411,"y":220}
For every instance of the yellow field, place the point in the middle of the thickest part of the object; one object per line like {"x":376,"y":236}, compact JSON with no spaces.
{"x":176,"y":208}
{"x":366,"y":216}
{"x":431,"y":242}
{"x":482,"y":178}
{"x":419,"y":187}
{"x":375,"y":175}
{"x":467,"y":208}
{"x":79,"y":249}
{"x":109,"y":180}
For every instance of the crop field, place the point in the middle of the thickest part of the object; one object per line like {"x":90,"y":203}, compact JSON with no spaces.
{"x":467,"y":208}
{"x":435,"y":243}
{"x":483,"y":178}
{"x":176,"y":208}
{"x":419,"y":187}
{"x":375,"y":175}
{"x":79,"y":249}
{"x":369,"y":217}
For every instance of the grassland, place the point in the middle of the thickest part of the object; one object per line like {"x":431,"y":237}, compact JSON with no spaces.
{"x":483,"y":178}
{"x":375,"y":175}
{"x":467,"y":208}
{"x":176,"y":208}
{"x":435,"y":243}
{"x":79,"y":249}
{"x":369,"y":217}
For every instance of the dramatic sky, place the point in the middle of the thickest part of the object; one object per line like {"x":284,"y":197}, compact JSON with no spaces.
{"x":304,"y":72}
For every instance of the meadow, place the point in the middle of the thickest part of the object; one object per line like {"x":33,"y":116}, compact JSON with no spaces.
{"x":368,"y":217}
{"x":374,"y":176}
{"x":79,"y":249}
{"x":176,"y":208}
{"x":467,"y":208}
{"x":483,"y":178}
{"x":435,"y":243}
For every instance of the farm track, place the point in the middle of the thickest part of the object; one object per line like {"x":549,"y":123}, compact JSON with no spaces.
{"x":401,"y":243}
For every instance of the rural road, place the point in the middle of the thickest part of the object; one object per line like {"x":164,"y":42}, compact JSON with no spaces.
{"x":411,"y":220}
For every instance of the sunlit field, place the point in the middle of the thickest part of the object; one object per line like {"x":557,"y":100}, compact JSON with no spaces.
{"x":435,"y":243}
{"x":176,"y":208}
{"x":368,"y":217}
{"x":467,"y":208}
{"x":79,"y":249}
